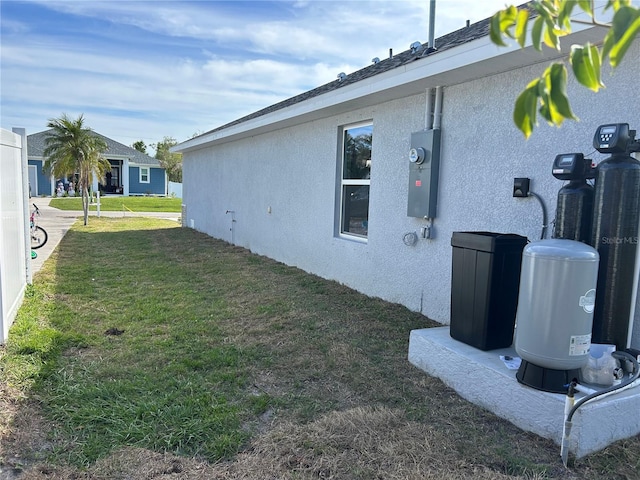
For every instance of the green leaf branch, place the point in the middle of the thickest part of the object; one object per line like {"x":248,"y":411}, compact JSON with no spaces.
{"x":546,"y":22}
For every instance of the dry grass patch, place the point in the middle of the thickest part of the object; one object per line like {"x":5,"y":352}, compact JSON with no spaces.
{"x":359,"y":443}
{"x":23,"y":431}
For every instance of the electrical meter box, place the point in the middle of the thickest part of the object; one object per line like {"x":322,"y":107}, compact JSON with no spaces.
{"x":424,"y":168}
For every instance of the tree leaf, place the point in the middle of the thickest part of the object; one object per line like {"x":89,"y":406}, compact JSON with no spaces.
{"x":564,"y":15}
{"x":508,"y":17}
{"x":524,"y":111}
{"x":551,"y":38}
{"x":501,"y":24}
{"x":546,"y":9}
{"x":585,"y":5}
{"x":546,"y":105}
{"x":557,"y":83}
{"x":536,"y":33}
{"x":495,"y":34}
{"x":585,"y":61}
{"x":625,"y":27}
{"x":545,"y":109}
{"x":521,"y":27}
{"x":622,"y":21}
{"x":550,"y":89}
{"x":616,"y":4}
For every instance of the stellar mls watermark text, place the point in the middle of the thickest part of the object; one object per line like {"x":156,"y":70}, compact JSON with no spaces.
{"x":619,"y":240}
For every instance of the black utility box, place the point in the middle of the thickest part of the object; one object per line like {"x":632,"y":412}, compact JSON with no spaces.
{"x":485,"y":282}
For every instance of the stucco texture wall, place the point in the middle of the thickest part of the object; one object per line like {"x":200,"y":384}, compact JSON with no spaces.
{"x":281,"y":187}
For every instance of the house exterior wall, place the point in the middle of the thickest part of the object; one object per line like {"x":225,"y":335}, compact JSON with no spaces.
{"x":44,"y":181}
{"x":156,"y":185}
{"x":281,"y":188}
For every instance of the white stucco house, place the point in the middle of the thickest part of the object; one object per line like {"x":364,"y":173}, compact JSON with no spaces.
{"x":283,"y":183}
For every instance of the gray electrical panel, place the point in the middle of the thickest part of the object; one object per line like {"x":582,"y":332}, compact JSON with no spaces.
{"x":424,"y":168}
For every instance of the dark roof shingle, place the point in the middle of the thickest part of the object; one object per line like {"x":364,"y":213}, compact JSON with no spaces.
{"x":466,"y":34}
{"x":36,"y":146}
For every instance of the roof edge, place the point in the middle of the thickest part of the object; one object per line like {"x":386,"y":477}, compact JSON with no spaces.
{"x":454,"y":64}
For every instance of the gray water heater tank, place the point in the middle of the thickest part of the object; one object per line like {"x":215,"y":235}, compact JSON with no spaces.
{"x":556,"y":302}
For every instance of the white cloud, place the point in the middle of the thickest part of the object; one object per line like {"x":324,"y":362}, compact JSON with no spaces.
{"x":174,"y":68}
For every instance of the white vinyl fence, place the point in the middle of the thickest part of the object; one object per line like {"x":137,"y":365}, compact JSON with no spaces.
{"x":15,"y":267}
{"x":174,"y":189}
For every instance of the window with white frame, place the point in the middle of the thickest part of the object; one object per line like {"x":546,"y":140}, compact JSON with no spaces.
{"x":144,"y":175}
{"x":355,"y":175}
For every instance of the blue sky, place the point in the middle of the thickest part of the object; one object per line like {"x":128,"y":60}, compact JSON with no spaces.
{"x":143,"y":70}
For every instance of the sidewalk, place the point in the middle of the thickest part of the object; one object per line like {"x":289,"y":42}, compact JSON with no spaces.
{"x":58,"y":222}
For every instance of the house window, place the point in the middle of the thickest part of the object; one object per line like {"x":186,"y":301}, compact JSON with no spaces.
{"x":144,"y":175}
{"x":355,"y":159}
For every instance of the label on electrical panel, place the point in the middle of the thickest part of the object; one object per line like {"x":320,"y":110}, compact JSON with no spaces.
{"x":418,"y":183}
{"x":580,"y":344}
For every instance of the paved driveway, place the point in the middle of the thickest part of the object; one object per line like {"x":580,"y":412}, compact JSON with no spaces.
{"x":58,"y":222}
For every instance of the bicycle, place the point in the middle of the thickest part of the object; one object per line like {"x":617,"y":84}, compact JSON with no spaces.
{"x":38,"y":234}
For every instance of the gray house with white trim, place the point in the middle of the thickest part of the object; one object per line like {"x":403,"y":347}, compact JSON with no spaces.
{"x":132,"y":172}
{"x":322,"y":181}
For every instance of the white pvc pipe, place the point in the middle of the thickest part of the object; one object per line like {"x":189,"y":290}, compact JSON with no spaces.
{"x":427,"y":110}
{"x":589,"y":391}
{"x":437,"y":111}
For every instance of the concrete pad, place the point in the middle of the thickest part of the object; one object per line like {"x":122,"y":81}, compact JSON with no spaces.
{"x":482,"y":378}
{"x":56,"y":223}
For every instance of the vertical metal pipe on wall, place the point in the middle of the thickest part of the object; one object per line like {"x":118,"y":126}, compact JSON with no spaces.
{"x":432,"y":23}
{"x":428,"y":122}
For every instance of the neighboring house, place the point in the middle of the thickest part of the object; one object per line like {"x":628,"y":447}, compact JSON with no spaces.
{"x":132,"y":172}
{"x":321,"y":181}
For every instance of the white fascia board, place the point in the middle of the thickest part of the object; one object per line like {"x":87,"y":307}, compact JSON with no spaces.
{"x":133,"y":163}
{"x":472,"y":60}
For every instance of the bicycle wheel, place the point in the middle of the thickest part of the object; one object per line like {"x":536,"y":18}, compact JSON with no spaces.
{"x":38,"y":237}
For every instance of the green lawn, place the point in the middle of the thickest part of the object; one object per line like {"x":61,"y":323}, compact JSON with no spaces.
{"x":119,"y":203}
{"x":141,"y":336}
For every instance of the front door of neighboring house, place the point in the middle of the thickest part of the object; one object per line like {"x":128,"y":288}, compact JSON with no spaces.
{"x":115,"y":179}
{"x":33,"y":181}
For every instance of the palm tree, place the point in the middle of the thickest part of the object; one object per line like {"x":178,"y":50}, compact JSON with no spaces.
{"x":70,"y":148}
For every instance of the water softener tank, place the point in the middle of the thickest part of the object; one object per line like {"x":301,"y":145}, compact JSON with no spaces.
{"x":574,"y":211}
{"x":615,"y":236}
{"x":555,"y":312}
